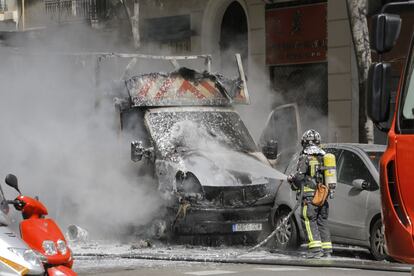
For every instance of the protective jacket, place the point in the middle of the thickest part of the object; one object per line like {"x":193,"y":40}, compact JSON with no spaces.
{"x":314,"y":218}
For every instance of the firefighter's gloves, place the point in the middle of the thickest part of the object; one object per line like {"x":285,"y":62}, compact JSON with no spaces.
{"x":296,"y":181}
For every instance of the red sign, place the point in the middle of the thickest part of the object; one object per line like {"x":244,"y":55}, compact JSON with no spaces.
{"x":296,"y":34}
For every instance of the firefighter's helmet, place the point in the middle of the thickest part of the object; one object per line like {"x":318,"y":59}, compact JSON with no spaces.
{"x":311,"y":138}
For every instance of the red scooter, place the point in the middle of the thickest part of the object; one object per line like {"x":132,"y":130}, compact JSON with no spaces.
{"x":42,"y":234}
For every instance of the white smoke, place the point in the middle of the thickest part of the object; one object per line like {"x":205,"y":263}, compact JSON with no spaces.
{"x":60,"y":137}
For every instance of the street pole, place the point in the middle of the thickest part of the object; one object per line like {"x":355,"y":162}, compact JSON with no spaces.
{"x":23,"y":16}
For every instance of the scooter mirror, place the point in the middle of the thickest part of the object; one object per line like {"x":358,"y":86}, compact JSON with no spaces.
{"x":11,"y":180}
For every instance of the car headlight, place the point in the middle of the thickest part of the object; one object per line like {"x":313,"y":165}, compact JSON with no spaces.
{"x":27,"y":254}
{"x":188,"y":183}
{"x":61,"y":246}
{"x":49,"y":247}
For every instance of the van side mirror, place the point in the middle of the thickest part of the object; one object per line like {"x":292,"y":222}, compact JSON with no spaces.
{"x":384,"y":32}
{"x":379,"y":91}
{"x":360,"y":184}
{"x":138,"y":151}
{"x":270,"y":149}
{"x":11,"y":180}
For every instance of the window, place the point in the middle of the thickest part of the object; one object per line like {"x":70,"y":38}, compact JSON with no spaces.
{"x":351,"y":167}
{"x":75,"y":10}
{"x":408,"y":104}
{"x":3,"y":6}
{"x":375,"y":158}
{"x":406,"y":114}
{"x":173,"y":32}
{"x":132,"y":123}
{"x":282,"y":127}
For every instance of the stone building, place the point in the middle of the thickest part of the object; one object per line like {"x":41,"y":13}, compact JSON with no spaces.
{"x":293,"y":50}
{"x":8,"y":15}
{"x":37,"y":14}
{"x":301,"y":49}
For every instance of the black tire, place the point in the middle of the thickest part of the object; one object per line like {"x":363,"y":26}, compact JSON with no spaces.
{"x":287,"y":237}
{"x":377,"y":241}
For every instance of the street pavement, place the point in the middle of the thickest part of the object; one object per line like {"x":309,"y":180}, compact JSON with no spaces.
{"x":200,"y":269}
{"x":112,"y":259}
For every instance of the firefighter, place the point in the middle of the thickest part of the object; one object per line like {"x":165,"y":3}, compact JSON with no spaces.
{"x":311,"y":177}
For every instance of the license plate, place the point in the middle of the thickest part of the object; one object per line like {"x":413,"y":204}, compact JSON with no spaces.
{"x":244,"y":227}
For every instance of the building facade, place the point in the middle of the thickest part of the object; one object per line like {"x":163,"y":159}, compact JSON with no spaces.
{"x":23,"y":15}
{"x":301,"y":50}
{"x":293,"y":50}
{"x":8,"y":15}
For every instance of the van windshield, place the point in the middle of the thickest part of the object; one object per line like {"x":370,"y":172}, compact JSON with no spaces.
{"x":203,"y":130}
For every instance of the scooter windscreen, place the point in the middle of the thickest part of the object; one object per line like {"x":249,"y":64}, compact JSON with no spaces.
{"x":4,"y":219}
{"x":4,"y":210}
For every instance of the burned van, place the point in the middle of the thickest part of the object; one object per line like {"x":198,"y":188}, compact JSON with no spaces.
{"x":214,"y":179}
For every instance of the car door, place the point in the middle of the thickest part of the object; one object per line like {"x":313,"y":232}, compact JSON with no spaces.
{"x":348,"y":209}
{"x":283,"y":126}
{"x":337,"y":152}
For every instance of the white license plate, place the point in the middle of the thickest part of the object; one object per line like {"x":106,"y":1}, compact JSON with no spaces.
{"x":244,"y":227}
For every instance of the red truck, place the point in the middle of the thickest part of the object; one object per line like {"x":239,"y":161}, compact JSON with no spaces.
{"x":397,"y":163}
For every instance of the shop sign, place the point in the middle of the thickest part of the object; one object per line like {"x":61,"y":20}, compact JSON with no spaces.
{"x":296,"y":35}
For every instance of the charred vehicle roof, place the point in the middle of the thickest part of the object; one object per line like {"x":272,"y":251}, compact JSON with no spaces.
{"x":184,"y":87}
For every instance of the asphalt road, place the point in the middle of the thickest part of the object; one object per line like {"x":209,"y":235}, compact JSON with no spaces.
{"x":200,"y":269}
{"x":99,"y":258}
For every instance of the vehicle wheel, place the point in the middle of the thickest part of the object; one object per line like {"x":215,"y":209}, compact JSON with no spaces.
{"x":377,"y":241}
{"x":287,"y":237}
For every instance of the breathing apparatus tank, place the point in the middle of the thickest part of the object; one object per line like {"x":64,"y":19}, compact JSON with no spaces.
{"x":329,"y":164}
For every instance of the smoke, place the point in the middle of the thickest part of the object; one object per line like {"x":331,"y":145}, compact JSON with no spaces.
{"x":61,"y":138}
{"x":211,"y":152}
{"x":270,"y":87}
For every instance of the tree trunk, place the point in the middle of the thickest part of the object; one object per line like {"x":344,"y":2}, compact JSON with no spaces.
{"x":357,"y":11}
{"x":134,"y":21}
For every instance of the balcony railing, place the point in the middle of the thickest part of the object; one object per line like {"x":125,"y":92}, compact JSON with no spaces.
{"x":72,"y":10}
{"x":3,"y":6}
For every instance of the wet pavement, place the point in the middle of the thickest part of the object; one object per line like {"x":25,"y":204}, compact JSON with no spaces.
{"x":183,"y":269}
{"x":100,"y":257}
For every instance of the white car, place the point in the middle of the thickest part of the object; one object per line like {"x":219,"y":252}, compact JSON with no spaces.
{"x":355,"y":210}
